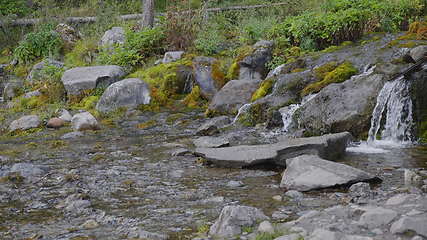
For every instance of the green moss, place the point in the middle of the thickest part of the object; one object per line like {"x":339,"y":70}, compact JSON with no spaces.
{"x":233,"y":72}
{"x":210,"y":113}
{"x":297,"y":70}
{"x":320,"y":72}
{"x":171,"y":119}
{"x":339,"y":74}
{"x":83,"y":54}
{"x":148,"y":124}
{"x":254,"y":115}
{"x":264,"y":89}
{"x":409,"y":44}
{"x":194,"y":99}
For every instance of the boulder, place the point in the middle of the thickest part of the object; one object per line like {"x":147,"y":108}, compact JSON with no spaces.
{"x":212,"y":126}
{"x":310,"y":172}
{"x":323,"y":234}
{"x":55,"y":123}
{"x":172,"y":56}
{"x":415,"y":224}
{"x":31,"y":94}
{"x":211,"y":142}
{"x":12,"y":89}
{"x":253,"y":67}
{"x":36,"y":72}
{"x":65,"y":115}
{"x":207,"y":76}
{"x":360,"y":192}
{"x":233,"y":218}
{"x":27,"y":170}
{"x":346,"y":106}
{"x":418,"y":52}
{"x":72,"y":135}
{"x":128,"y":93}
{"x":376,"y":217}
{"x":232,"y":96}
{"x":25,"y":123}
{"x":330,"y":146}
{"x":266,"y":226}
{"x":115,"y":35}
{"x":76,"y":80}
{"x":84,"y":121}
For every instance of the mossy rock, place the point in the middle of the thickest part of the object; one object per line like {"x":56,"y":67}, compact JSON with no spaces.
{"x":265,"y":88}
{"x":337,"y":75}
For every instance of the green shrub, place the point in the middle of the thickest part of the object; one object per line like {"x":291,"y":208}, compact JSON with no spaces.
{"x":43,"y":43}
{"x":48,"y":82}
{"x":83,"y":53}
{"x":119,"y":56}
{"x":255,"y":28}
{"x":210,"y":40}
{"x":9,"y":7}
{"x":147,"y":42}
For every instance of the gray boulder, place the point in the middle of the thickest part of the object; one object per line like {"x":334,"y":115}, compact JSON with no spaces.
{"x":36,"y":72}
{"x":212,"y":126}
{"x":415,"y":224}
{"x":115,"y":35}
{"x":84,"y":121}
{"x":253,"y":66}
{"x":32,"y":94}
{"x":72,"y":135}
{"x":377,"y":217}
{"x":360,"y":193}
{"x":27,"y":170}
{"x":172,"y":56}
{"x":65,"y":115}
{"x":232,"y":96}
{"x":204,"y":76}
{"x":341,"y":107}
{"x":330,"y":146}
{"x":78,"y":79}
{"x":129,"y":93}
{"x":233,"y":218}
{"x":25,"y":123}
{"x":12,"y":89}
{"x":418,"y":52}
{"x":310,"y":172}
{"x":211,"y":142}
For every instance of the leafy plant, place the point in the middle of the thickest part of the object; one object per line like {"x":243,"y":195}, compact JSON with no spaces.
{"x":17,"y":7}
{"x":83,"y":53}
{"x":209,"y":40}
{"x":44,"y":43}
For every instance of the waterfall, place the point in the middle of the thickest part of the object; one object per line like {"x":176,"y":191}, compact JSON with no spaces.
{"x":289,"y":111}
{"x":394,"y":111}
{"x":242,"y":110}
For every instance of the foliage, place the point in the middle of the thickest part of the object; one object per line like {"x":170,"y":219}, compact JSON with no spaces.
{"x":43,"y":43}
{"x":419,"y":30}
{"x":194,"y":99}
{"x":51,"y":85}
{"x":180,"y":28}
{"x":16,"y":7}
{"x":264,"y":89}
{"x":337,"y":75}
{"x":147,"y":42}
{"x":255,"y":28}
{"x":83,"y":53}
{"x":210,"y":40}
{"x":119,"y":56}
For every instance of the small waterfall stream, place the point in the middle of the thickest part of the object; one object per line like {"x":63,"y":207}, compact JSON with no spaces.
{"x":289,"y":111}
{"x":392,"y":116}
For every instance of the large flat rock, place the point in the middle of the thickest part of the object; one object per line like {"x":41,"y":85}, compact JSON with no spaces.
{"x":330,"y":147}
{"x":310,"y":172}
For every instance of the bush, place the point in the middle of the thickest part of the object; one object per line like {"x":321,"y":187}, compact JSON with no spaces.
{"x":120,"y":56}
{"x":50,"y":84}
{"x":44,"y":43}
{"x":209,"y":40}
{"x":17,"y":7}
{"x":255,"y":28}
{"x":147,"y":42}
{"x":83,"y":53}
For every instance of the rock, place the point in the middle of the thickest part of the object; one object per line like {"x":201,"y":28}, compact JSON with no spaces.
{"x":212,"y":126}
{"x":293,"y":236}
{"x":415,"y":224}
{"x":418,"y":52}
{"x":253,"y":67}
{"x":205,"y":74}
{"x":309,"y":172}
{"x":232,"y":96}
{"x":180,"y":152}
{"x":330,"y":147}
{"x":68,"y":34}
{"x":90,"y":224}
{"x":27,"y":170}
{"x":211,"y":142}
{"x":322,"y":234}
{"x":31,"y":94}
{"x":36,"y":73}
{"x":346,"y":106}
{"x":232,"y":218}
{"x":355,"y":237}
{"x":266,"y":227}
{"x":75,"y":203}
{"x":360,"y":192}
{"x":399,"y":199}
{"x":65,"y":115}
{"x":84,"y":121}
{"x":128,"y":93}
{"x":55,"y":123}
{"x":72,"y":135}
{"x":12,"y":88}
{"x":115,"y":35}
{"x":149,"y":235}
{"x":377,"y":217}
{"x":76,"y":80}
{"x":294,"y":194}
{"x":412,"y":178}
{"x":172,"y":56}
{"x":235,"y":184}
{"x":25,"y":123}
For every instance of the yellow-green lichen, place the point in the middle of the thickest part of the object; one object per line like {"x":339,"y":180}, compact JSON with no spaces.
{"x":264,"y":89}
{"x":339,"y":74}
{"x":194,"y":99}
{"x":147,"y":124}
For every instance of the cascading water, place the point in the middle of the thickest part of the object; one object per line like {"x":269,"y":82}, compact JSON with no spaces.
{"x":242,"y":110}
{"x":289,"y":111}
{"x":394,"y":108}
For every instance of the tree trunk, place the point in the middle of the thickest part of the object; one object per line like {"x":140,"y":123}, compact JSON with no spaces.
{"x":148,"y":14}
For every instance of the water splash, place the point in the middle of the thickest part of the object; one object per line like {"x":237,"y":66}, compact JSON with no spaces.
{"x":394,"y":107}
{"x":289,"y":112}
{"x":242,"y":110}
